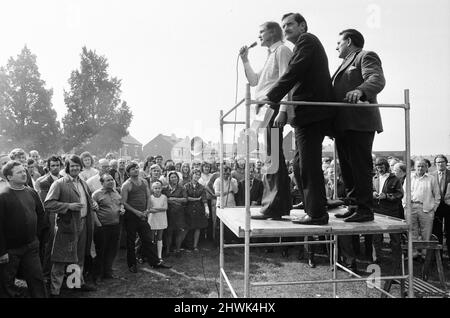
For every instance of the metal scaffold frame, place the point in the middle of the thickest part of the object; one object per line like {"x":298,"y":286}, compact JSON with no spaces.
{"x":333,"y":240}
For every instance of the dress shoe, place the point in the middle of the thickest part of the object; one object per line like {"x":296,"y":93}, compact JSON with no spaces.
{"x":307,"y":220}
{"x":357,"y":217}
{"x":260,"y":216}
{"x":350,"y":211}
{"x":299,"y":206}
{"x":332,"y":204}
{"x":133,"y":269}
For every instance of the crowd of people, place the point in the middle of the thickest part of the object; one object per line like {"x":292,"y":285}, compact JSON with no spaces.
{"x":77,"y":210}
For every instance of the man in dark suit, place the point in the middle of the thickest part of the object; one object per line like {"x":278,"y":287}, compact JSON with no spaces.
{"x":359,"y":78}
{"x":256,"y":190}
{"x":42,"y":186}
{"x":441,"y":222}
{"x":309,"y":77}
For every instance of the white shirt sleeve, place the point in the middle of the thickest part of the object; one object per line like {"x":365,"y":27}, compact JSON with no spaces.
{"x":283,"y":57}
{"x":252,"y":77}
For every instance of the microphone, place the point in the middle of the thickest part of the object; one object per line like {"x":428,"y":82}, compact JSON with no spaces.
{"x":253,"y":45}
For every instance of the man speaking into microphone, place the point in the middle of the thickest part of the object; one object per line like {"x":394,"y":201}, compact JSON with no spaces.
{"x":276,"y":200}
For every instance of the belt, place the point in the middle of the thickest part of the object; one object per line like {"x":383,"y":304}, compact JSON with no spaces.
{"x":416,"y":202}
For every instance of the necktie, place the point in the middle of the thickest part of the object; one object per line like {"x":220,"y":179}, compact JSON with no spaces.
{"x":441,"y":183}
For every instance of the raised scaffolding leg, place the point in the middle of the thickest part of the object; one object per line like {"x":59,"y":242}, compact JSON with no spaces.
{"x":247,"y":193}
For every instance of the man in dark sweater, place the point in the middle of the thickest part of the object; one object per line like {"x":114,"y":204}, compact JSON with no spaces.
{"x":21,"y":221}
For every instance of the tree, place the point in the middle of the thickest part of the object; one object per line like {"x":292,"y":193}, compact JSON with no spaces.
{"x":96,"y":118}
{"x":27,"y":117}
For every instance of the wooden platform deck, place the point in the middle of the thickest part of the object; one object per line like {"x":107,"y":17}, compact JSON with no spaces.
{"x":234,"y":219}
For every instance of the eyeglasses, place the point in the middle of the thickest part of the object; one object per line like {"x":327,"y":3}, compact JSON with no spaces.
{"x":440,"y":161}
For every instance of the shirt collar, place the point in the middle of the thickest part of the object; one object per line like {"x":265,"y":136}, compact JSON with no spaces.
{"x":275,"y":46}
{"x":77,"y":179}
{"x":351,"y":54}
{"x":419,"y":177}
{"x":104,"y":190}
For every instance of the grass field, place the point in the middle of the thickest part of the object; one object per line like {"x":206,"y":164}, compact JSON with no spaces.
{"x":196,"y":275}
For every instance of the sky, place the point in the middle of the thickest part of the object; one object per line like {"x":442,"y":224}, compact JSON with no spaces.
{"x":177,"y":59}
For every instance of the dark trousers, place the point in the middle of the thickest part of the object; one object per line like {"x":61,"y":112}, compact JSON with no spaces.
{"x":25,"y":259}
{"x":441,"y":224}
{"x":396,"y":248}
{"x":276,"y":199}
{"x":46,"y":262}
{"x":135,"y":226}
{"x":308,"y":166}
{"x":106,"y":239}
{"x":354,"y":149}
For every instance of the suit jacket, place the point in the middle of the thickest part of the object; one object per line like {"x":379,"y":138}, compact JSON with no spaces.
{"x":309,"y":77}
{"x":361,"y":70}
{"x":445,"y":193}
{"x":388,"y":206}
{"x":256,"y":192}
{"x":61,"y":193}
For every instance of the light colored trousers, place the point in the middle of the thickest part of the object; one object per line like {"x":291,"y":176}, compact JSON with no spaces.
{"x":422,"y":223}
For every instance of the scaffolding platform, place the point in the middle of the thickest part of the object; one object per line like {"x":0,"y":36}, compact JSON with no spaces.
{"x":234,"y":219}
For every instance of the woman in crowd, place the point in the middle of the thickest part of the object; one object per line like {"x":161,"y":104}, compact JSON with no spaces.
{"x":210,"y":197}
{"x":154,"y":174}
{"x":176,"y":225}
{"x":88,"y":166}
{"x":230,"y":188}
{"x":185,"y":173}
{"x":197,"y":210}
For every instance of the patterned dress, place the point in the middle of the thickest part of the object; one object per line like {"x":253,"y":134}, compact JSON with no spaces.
{"x":175,"y":210}
{"x":195,"y":211}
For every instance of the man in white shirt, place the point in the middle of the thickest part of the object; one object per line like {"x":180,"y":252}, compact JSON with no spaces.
{"x":276,"y":200}
{"x":425,"y":199}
